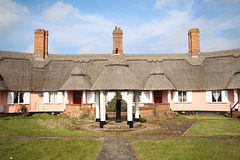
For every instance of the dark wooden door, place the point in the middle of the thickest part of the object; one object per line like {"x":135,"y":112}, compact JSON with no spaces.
{"x":157,"y":96}
{"x":77,"y":97}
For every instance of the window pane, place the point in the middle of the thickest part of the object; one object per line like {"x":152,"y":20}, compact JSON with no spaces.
{"x":53,"y":97}
{"x":184,"y":96}
{"x":21,"y":97}
{"x":180,"y":97}
{"x":219,"y":97}
{"x":15,"y":97}
{"x":213,"y":96}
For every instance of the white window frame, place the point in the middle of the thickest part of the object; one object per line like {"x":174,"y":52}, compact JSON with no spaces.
{"x":176,"y":95}
{"x":25,"y":96}
{"x":223,"y":94}
{"x":58,"y":99}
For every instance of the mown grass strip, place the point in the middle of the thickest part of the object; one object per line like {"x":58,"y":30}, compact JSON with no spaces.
{"x":215,"y":128}
{"x":187,"y":149}
{"x":49,"y":149}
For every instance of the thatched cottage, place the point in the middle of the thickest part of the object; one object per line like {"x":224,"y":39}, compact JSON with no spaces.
{"x":195,"y":81}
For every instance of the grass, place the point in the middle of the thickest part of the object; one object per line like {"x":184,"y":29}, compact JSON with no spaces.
{"x":216,"y":128}
{"x":187,"y":149}
{"x":203,"y":117}
{"x":44,"y":125}
{"x":49,"y":149}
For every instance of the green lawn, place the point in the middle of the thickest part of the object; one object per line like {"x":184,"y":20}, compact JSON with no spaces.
{"x":49,"y":149}
{"x":37,"y":126}
{"x":187,"y":149}
{"x":225,"y":128}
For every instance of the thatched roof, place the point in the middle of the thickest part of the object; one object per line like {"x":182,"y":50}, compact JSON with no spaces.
{"x":158,"y":81}
{"x":116,"y":76}
{"x":2,"y":84}
{"x":235,"y":81}
{"x":77,"y":80}
{"x":211,"y":71}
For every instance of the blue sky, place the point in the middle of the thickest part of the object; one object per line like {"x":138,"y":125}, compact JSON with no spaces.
{"x":149,"y":26}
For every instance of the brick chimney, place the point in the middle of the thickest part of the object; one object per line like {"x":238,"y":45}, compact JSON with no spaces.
{"x":41,"y":43}
{"x":117,"y":41}
{"x":194,"y":42}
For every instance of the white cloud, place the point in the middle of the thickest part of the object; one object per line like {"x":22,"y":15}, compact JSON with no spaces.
{"x":11,"y":13}
{"x":90,"y":32}
{"x":163,"y":3}
{"x":59,"y":12}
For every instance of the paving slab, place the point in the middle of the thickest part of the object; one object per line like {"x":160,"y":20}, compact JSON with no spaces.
{"x":117,"y":147}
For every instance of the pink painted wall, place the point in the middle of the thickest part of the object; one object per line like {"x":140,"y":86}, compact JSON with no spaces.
{"x":36,"y":104}
{"x":199,"y":103}
{"x":164,"y":96}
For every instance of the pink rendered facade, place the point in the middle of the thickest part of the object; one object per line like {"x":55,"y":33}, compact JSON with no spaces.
{"x":198,"y":102}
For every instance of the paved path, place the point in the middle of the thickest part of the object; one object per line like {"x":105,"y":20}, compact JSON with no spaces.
{"x":117,"y":147}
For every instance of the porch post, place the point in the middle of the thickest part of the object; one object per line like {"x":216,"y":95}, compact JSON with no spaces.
{"x":129,"y":109}
{"x":97,"y":107}
{"x":235,"y":94}
{"x":103,"y":109}
{"x":151,"y":96}
{"x":84,"y":97}
{"x":65,"y":99}
{"x":169,"y":98}
{"x":136,"y":107}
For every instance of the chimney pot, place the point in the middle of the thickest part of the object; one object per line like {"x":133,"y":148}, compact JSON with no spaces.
{"x":194,"y":42}
{"x":117,"y":41}
{"x":41,"y":43}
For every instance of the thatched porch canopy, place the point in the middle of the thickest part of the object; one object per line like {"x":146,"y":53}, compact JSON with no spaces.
{"x":77,"y":80}
{"x":116,"y":76}
{"x":158,"y":81}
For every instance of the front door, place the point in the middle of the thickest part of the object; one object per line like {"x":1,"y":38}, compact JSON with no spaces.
{"x":77,"y":97}
{"x":157,"y":96}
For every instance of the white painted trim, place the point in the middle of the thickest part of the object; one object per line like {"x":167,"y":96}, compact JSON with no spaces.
{"x":26,"y":98}
{"x":59,"y":97}
{"x":189,"y":96}
{"x":129,"y":106}
{"x":136,"y":105}
{"x":102,"y":106}
{"x":45,"y":97}
{"x":97,"y":105}
{"x":84,"y":97}
{"x":208,"y":96}
{"x":65,"y":99}
{"x":10,"y":98}
{"x":151,"y":96}
{"x":175,"y":96}
{"x":225,"y":96}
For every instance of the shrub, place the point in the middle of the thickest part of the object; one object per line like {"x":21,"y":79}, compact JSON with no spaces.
{"x":111,"y":105}
{"x":24,"y":110}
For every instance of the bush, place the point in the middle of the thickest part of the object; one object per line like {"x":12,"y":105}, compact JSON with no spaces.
{"x":24,"y":110}
{"x":111,"y":105}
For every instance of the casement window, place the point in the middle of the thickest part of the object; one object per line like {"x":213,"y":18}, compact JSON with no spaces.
{"x":52,"y":97}
{"x":18,"y":97}
{"x":217,"y":96}
{"x":182,"y":96}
